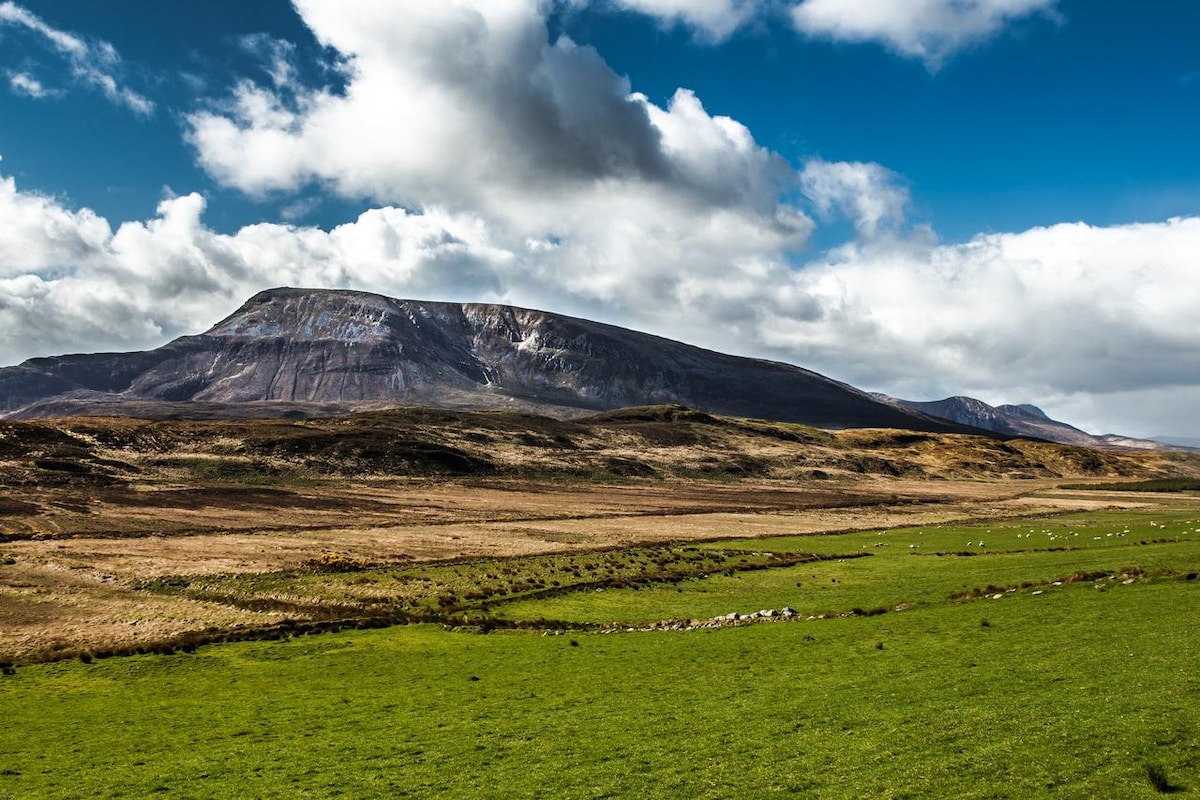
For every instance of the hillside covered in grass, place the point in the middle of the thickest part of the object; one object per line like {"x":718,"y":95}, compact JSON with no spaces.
{"x":654,"y":442}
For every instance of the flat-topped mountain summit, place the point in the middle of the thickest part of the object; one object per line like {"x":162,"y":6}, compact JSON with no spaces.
{"x":302,"y":351}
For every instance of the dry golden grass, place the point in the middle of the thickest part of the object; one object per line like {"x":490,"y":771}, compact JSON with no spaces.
{"x":80,"y":592}
{"x":92,"y":508}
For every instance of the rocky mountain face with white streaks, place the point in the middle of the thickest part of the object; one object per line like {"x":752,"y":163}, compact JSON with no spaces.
{"x":300,"y":352}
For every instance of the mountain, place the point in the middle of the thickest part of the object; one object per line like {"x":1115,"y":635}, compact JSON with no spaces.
{"x":300,"y":352}
{"x":1025,"y":421}
{"x":1186,"y":442}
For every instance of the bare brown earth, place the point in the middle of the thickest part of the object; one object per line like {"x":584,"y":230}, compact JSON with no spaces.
{"x":91,"y":509}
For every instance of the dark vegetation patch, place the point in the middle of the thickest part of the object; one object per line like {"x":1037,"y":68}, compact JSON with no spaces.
{"x":10,"y":506}
{"x":661,"y":426}
{"x":18,"y":440}
{"x":64,"y":472}
{"x":1153,"y":485}
{"x":731,"y":466}
{"x":558,"y":442}
{"x":680,"y":426}
{"x":72,"y":467}
{"x":367,"y":450}
{"x":885,"y":439}
{"x":744,"y":466}
{"x":337,"y":562}
{"x":872,"y":465}
{"x":628,"y":468}
{"x":227,"y":469}
{"x":663,"y":413}
{"x":235,"y":497}
{"x":42,"y":455}
{"x":666,"y":434}
{"x":1087,"y":461}
{"x":784,"y":432}
{"x":1158,"y":779}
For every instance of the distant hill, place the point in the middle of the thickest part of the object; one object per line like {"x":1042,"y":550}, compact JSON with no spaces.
{"x":1026,"y":421}
{"x":1178,"y":441}
{"x":303,"y":352}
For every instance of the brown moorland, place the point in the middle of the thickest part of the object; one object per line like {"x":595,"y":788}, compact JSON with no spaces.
{"x":98,"y":514}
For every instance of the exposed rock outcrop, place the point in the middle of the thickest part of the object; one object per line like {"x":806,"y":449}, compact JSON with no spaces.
{"x":300,"y":350}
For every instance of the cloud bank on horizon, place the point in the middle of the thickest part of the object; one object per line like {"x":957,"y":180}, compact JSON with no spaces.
{"x":504,"y":165}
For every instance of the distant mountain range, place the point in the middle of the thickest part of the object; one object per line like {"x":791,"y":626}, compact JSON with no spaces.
{"x":301,"y":352}
{"x":1025,"y":421}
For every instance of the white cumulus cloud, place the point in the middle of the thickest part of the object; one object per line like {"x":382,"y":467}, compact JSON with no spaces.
{"x":26,"y":84}
{"x":870,"y":194}
{"x":714,"y":20}
{"x":469,"y":104}
{"x":1066,"y":314}
{"x":930,"y":30}
{"x":469,"y":107}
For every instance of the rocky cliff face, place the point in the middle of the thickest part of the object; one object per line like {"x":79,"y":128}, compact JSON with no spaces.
{"x":352,"y":349}
{"x":1013,"y":420}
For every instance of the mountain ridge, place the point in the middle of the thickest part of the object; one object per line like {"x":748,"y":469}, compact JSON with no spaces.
{"x":320,"y":349}
{"x":1024,"y":420}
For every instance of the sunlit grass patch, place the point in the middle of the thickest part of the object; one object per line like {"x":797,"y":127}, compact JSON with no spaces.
{"x":1070,"y":693}
{"x":905,"y":567}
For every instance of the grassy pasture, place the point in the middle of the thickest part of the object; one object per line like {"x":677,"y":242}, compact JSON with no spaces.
{"x":906,"y":566}
{"x":817,"y":575}
{"x":1071,"y":692}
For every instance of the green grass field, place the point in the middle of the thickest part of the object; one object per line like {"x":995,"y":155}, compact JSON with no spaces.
{"x":908,"y":566}
{"x":1070,"y":692}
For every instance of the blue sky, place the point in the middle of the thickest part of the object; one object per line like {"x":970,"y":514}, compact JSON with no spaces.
{"x":1092,"y":116}
{"x":990,"y":197}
